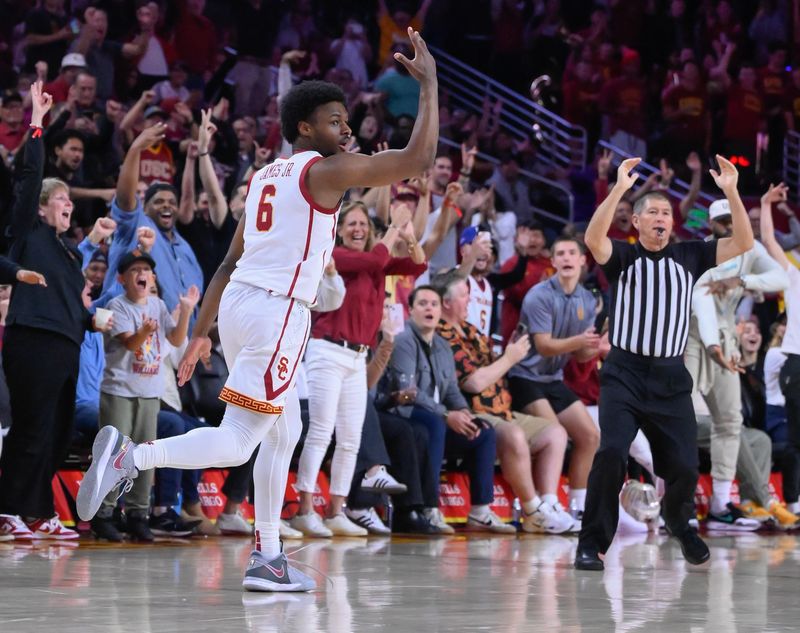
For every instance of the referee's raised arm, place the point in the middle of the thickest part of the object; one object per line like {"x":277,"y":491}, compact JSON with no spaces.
{"x":741,"y":239}
{"x":596,"y":237}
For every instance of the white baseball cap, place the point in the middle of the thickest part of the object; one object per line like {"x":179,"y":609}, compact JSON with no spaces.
{"x":718,"y":209}
{"x":76,"y":60}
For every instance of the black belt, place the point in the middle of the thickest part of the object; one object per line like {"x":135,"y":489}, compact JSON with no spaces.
{"x":356,"y":347}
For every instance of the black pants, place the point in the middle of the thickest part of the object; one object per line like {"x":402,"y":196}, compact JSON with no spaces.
{"x":390,"y":440}
{"x":42,"y":373}
{"x":789,"y":382}
{"x":652,"y":394}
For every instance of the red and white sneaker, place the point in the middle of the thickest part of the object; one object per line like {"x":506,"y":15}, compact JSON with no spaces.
{"x":52,"y":529}
{"x":13,"y":528}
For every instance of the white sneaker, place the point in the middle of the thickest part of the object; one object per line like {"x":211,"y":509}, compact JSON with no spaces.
{"x":369,"y":520}
{"x":311,"y":525}
{"x":286,"y":531}
{"x":436,"y":519}
{"x":51,"y":528}
{"x":546,"y":520}
{"x":577,"y":517}
{"x":233,"y":524}
{"x":490,"y":523}
{"x":340,"y":525}
{"x":383,"y":482}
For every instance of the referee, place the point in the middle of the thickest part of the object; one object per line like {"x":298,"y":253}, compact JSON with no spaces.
{"x":644,"y":383}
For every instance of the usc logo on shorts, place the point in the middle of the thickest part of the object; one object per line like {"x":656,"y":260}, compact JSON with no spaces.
{"x":283,"y":367}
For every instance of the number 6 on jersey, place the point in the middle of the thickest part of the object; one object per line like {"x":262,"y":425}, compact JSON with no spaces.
{"x":264,"y":214}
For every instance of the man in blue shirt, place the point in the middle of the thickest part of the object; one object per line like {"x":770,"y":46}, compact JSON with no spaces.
{"x":178,"y":268}
{"x":559,"y":313}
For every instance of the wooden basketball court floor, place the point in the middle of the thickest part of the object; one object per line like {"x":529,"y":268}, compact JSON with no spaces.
{"x":462,"y":583}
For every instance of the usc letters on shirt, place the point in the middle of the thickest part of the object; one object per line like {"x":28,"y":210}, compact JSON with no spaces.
{"x":157,"y":164}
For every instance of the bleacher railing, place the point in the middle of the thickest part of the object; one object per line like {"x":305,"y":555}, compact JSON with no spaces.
{"x":559,"y":189}
{"x":791,"y":164}
{"x":560,"y":143}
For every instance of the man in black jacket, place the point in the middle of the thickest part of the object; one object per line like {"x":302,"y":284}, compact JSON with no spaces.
{"x":44,"y":331}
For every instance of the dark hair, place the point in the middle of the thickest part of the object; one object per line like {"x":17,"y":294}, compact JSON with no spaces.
{"x":533,"y":225}
{"x":63,"y":136}
{"x":413,"y":296}
{"x":156,"y":187}
{"x":302,"y":100}
{"x":568,"y":238}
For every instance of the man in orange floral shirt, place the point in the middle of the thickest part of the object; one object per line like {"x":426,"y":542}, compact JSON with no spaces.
{"x":481,"y":378}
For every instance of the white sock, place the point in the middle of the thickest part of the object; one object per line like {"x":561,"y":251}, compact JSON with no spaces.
{"x":268,"y":539}
{"x":721,"y":495}
{"x":794,"y":508}
{"x":550,"y":499}
{"x":159,"y":510}
{"x":147,"y":456}
{"x":479,"y":512}
{"x":578,"y":496}
{"x":529,"y":507}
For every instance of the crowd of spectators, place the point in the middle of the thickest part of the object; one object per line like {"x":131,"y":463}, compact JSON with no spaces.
{"x":435,"y":338}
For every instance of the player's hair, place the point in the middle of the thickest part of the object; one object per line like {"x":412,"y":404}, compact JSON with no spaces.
{"x":302,"y":100}
{"x":641,"y":204}
{"x":49,"y":186}
{"x":356,"y":205}
{"x":413,"y":296}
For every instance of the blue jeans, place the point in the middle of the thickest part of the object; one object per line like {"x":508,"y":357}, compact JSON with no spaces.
{"x":478,"y":454}
{"x":86,"y":420}
{"x":170,"y":480}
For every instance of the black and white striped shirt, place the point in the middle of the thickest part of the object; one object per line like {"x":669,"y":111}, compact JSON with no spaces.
{"x":651,"y":295}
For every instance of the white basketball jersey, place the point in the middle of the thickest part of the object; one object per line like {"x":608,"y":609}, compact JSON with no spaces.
{"x":479,"y":312}
{"x":288,"y":238}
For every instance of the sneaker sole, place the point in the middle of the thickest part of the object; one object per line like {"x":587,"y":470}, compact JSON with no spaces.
{"x":258,"y":584}
{"x":6,"y":537}
{"x":543,"y":530}
{"x":54,"y":537}
{"x":177,"y":533}
{"x":386,"y":490}
{"x":89,"y":498}
{"x":719,"y":526}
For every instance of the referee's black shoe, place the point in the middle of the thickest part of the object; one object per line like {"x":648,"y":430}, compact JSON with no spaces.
{"x":694,"y":549}
{"x":588,"y":560}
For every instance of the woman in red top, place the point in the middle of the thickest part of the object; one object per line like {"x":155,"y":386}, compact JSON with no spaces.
{"x":336,"y":359}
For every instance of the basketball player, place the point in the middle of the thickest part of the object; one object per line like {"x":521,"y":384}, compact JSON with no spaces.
{"x":274,"y":265}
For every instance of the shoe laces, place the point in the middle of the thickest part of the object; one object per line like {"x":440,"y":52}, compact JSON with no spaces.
{"x":125,"y":486}
{"x":297,"y":563}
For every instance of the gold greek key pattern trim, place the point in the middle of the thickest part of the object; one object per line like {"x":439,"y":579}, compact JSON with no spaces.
{"x":246,"y":402}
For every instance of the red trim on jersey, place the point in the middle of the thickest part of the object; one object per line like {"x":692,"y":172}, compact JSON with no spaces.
{"x":249,"y":180}
{"x":305,"y":253}
{"x":307,"y":194}
{"x":273,"y":393}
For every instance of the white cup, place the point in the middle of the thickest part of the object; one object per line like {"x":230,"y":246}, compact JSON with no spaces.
{"x":102,"y":317}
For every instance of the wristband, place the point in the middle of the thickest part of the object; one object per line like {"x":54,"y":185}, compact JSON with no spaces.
{"x":202,"y":154}
{"x":36,"y":131}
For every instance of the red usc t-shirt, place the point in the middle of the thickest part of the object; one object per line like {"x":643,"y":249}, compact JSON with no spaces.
{"x":156,"y":164}
{"x":624,"y":99}
{"x":744,"y":114}
{"x":773,"y":87}
{"x":692,"y":106}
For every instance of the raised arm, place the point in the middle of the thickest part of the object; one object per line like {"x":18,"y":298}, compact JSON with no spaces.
{"x":328,"y":179}
{"x":694,"y":164}
{"x":774,"y":194}
{"x":200,"y":345}
{"x":217,"y":204}
{"x":186,"y":205}
{"x":129,"y":172}
{"x":26,"y":205}
{"x":741,"y":239}
{"x":596,"y":236}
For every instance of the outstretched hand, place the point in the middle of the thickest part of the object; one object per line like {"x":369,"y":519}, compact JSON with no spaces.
{"x":727,"y":176}
{"x":41,"y":102}
{"x":423,"y":66}
{"x":626,"y":177}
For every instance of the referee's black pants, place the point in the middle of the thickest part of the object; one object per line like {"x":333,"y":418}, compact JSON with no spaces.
{"x":42,"y":373}
{"x":652,"y":394}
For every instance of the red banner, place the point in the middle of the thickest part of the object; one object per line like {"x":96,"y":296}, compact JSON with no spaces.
{"x":503,"y":505}
{"x":211,"y":498}
{"x":454,"y":498}
{"x":291,"y":500}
